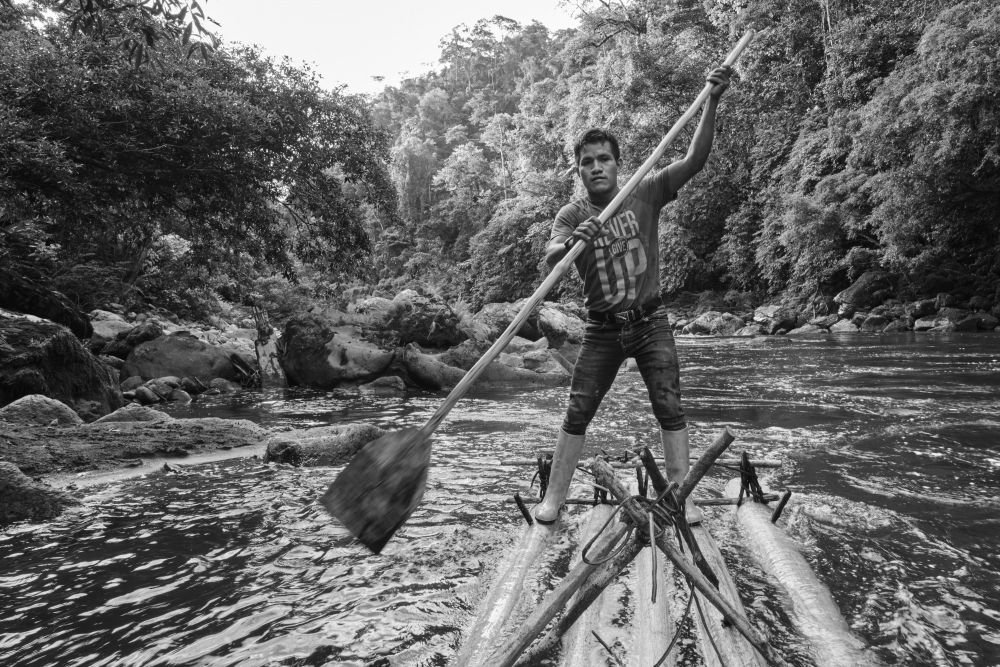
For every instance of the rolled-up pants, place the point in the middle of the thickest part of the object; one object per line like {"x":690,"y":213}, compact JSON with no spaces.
{"x":606,"y":345}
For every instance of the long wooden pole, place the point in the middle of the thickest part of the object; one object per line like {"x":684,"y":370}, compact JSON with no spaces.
{"x":564,"y":264}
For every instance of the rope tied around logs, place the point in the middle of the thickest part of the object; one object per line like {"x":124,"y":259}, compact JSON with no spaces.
{"x":749,"y":484}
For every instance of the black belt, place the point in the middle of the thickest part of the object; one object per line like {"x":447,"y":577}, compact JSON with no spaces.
{"x":623,"y":316}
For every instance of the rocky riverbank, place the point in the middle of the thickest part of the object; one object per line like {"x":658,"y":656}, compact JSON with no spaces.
{"x":73,"y":407}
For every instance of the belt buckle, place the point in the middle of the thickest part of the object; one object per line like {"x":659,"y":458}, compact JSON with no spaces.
{"x":629,"y":315}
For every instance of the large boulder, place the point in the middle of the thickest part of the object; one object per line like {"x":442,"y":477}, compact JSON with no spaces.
{"x":41,"y":357}
{"x":107,"y":327}
{"x":20,"y":294}
{"x":425,"y":320}
{"x":127,"y":340}
{"x":870,"y":289}
{"x":714,"y":323}
{"x":181,"y":354}
{"x":775,"y":318}
{"x":321,"y":446}
{"x":23,"y":499}
{"x":41,"y":410}
{"x":558,"y":326}
{"x":319,"y":355}
{"x":496,"y":317}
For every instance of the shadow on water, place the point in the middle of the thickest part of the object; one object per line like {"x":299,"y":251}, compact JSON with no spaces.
{"x":890,"y":445}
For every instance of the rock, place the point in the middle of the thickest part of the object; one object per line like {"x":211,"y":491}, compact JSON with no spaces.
{"x":179,"y":355}
{"x":125,"y":342}
{"x":429,"y":372}
{"x":111,"y":362}
{"x":135,"y":413}
{"x":98,"y":315}
{"x":844,"y":326}
{"x":22,"y":295}
{"x":921,"y":308}
{"x":179,"y":396}
{"x":39,"y":450}
{"x":752,"y":330}
{"x":988,"y":322}
{"x":46,"y":358}
{"x":391,"y":385}
{"x":775,"y":318}
{"x":146,"y":396}
{"x":896,"y":326}
{"x":317,"y":355}
{"x":41,"y":410}
{"x":518,"y":345}
{"x":824,"y":322}
{"x":160,"y":388}
{"x":934,"y":323}
{"x":466,"y":354}
{"x":193,"y":386}
{"x":132,"y":383}
{"x":322,"y":446}
{"x":425,"y":320}
{"x":714,"y":323}
{"x":23,"y":499}
{"x":874,"y":323}
{"x":808,"y":330}
{"x":870,"y":289}
{"x":496,"y":317}
{"x":224,"y":386}
{"x":107,"y":330}
{"x":980,"y":303}
{"x":512,"y":360}
{"x":945,"y":300}
{"x":560,"y":327}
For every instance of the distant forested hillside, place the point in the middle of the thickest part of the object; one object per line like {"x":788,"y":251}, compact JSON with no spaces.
{"x":857,"y":134}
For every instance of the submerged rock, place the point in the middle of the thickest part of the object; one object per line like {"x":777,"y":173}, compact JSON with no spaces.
{"x":322,"y":446}
{"x":22,"y":498}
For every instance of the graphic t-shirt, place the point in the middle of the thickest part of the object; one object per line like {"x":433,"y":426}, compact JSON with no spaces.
{"x":621,"y":268}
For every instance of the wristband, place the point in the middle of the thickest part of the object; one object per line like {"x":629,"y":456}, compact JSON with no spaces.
{"x":568,"y":243}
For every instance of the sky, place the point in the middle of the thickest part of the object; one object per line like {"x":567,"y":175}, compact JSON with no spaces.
{"x":351,"y":41}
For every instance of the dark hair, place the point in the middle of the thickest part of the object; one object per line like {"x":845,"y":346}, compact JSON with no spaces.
{"x":596,"y":136}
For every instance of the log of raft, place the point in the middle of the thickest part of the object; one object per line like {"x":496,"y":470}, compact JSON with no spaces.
{"x":579,"y":645}
{"x":654,"y":625}
{"x":506,"y":595}
{"x":812,"y":608}
{"x":721,"y":644}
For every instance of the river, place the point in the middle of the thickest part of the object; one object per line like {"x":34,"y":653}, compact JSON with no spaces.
{"x":891,"y":446}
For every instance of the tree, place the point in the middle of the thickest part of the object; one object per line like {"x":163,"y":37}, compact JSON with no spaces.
{"x":248,"y":159}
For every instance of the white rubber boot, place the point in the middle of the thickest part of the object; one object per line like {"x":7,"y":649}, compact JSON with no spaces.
{"x":568,"y":449}
{"x":676,"y":453}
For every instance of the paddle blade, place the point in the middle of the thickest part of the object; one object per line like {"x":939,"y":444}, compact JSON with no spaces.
{"x":381,"y":486}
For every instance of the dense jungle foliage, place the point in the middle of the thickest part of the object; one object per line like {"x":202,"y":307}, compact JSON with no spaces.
{"x":857,"y":134}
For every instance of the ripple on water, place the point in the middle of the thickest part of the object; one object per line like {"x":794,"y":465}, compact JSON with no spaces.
{"x":892,"y":449}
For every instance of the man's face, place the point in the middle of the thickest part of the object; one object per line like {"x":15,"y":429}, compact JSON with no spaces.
{"x":598,"y":168}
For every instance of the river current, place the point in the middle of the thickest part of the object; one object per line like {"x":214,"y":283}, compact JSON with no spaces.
{"x":891,"y":446}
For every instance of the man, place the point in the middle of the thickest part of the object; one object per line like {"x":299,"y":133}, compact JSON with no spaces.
{"x":620,"y":269}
